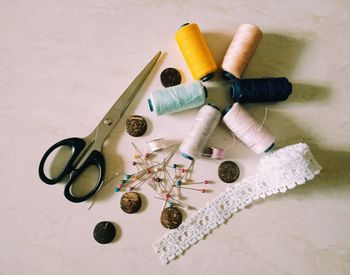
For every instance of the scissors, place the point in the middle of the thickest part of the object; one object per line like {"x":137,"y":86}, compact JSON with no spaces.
{"x":87,"y":151}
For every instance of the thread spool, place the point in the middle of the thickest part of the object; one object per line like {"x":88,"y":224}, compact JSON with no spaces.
{"x":240,"y":51}
{"x":260,"y":89}
{"x":177,"y":98}
{"x":202,"y":129}
{"x":247,"y":129}
{"x":159,"y":144}
{"x":196,"y":52}
{"x":214,"y":153}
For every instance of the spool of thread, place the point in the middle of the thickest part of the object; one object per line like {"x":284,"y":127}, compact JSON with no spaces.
{"x":177,"y":98}
{"x":240,"y":51}
{"x":196,"y":52}
{"x":201,"y":131}
{"x":214,"y":153}
{"x":159,"y":144}
{"x":247,"y":129}
{"x":260,"y":89}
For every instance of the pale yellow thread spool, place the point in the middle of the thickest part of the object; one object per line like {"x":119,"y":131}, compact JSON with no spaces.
{"x":240,"y":51}
{"x":196,"y":52}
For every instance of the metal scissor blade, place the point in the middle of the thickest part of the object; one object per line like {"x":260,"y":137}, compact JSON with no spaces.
{"x":119,"y":107}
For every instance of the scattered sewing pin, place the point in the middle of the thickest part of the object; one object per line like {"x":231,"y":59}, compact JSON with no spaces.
{"x":105,"y":182}
{"x":198,"y":182}
{"x":163,"y":177}
{"x":190,"y":188}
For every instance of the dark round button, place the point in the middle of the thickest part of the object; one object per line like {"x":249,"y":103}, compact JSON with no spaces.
{"x":136,"y":126}
{"x":104,"y":232}
{"x":170,"y":77}
{"x":171,"y":217}
{"x":130,"y":202}
{"x":228,"y":171}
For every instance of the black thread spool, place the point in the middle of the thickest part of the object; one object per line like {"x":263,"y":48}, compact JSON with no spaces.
{"x":260,"y":89}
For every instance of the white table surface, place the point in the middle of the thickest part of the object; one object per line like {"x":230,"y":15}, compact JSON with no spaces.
{"x":63,"y":64}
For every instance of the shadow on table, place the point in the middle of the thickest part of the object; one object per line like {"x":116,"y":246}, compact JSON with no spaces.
{"x":276,"y":55}
{"x":309,"y":92}
{"x":335,"y":163}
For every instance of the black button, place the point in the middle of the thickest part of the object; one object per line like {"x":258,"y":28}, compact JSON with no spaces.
{"x":170,"y":77}
{"x":104,"y":232}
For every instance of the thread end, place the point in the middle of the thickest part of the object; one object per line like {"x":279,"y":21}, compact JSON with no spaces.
{"x":207,"y":77}
{"x":150,"y":105}
{"x":183,"y":25}
{"x":228,"y":76}
{"x":186,"y":156}
{"x":268,"y":149}
{"x":226,"y":110}
{"x":205,"y":91}
{"x":216,"y":107}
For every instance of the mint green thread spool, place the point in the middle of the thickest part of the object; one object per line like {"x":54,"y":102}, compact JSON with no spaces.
{"x":177,"y":98}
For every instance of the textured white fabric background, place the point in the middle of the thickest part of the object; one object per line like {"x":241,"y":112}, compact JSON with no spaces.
{"x":63,"y":64}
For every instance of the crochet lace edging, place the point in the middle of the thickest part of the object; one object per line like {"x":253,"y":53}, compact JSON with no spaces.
{"x":279,"y":171}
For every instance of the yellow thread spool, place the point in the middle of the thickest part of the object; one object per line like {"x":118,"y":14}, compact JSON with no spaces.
{"x":196,"y":52}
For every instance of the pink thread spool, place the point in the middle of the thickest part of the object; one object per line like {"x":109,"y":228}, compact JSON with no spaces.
{"x":240,"y":51}
{"x":214,"y":153}
{"x":247,"y":129}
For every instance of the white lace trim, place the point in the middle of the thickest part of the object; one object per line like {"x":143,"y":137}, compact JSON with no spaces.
{"x":278,"y":171}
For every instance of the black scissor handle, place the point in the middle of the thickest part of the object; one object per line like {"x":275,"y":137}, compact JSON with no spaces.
{"x":94,"y":159}
{"x":77,"y":145}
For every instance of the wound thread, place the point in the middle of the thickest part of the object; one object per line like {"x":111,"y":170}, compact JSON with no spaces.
{"x":240,"y":51}
{"x":201,"y":131}
{"x":248,"y":130}
{"x":177,"y":98}
{"x":260,"y":89}
{"x":196,"y":52}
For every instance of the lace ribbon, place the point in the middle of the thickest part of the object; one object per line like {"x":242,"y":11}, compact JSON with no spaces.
{"x":278,"y":171}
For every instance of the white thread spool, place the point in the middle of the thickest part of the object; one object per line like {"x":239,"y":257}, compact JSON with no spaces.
{"x":160,"y":144}
{"x":202,"y":129}
{"x":248,"y":130}
{"x":157,"y":144}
